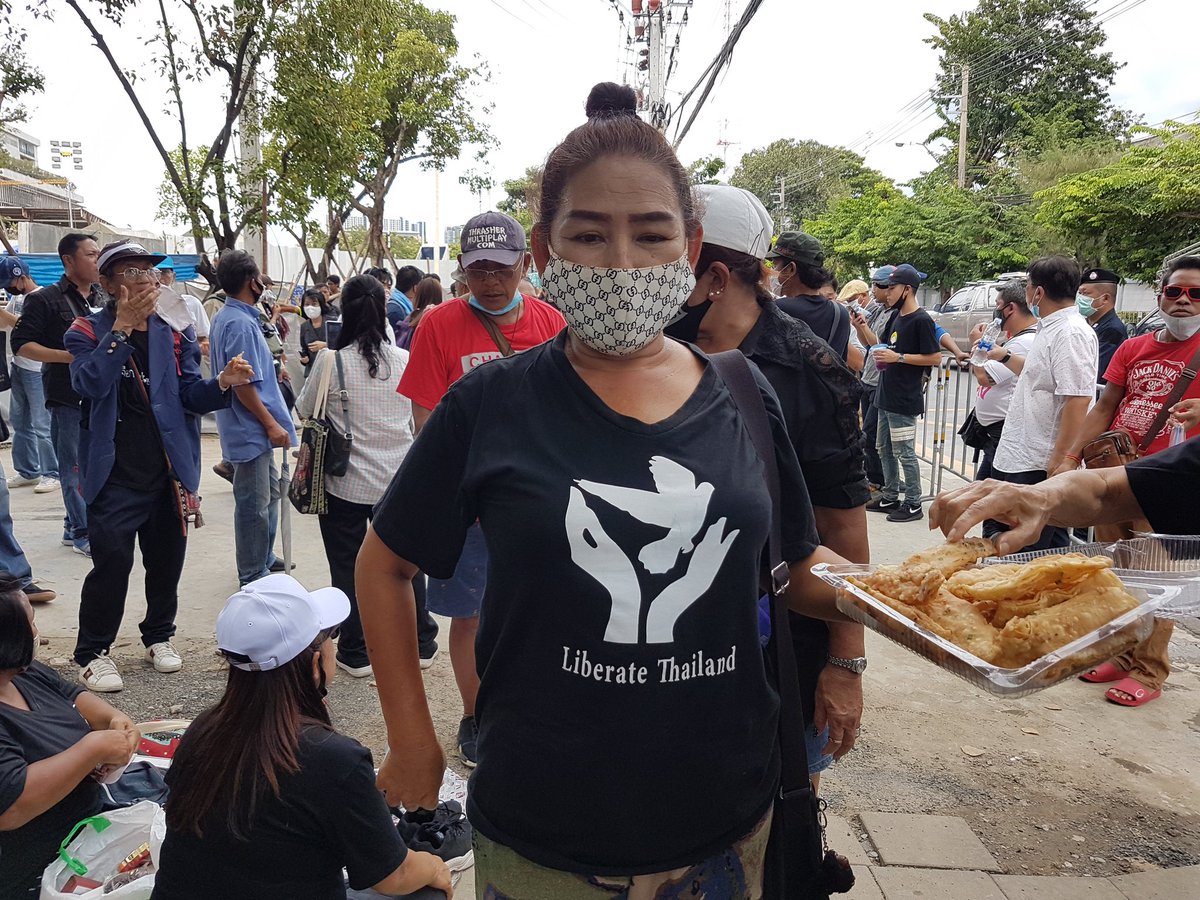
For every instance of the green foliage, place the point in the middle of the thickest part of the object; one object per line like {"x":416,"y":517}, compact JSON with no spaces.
{"x":1038,"y":75}
{"x":20,"y":79}
{"x":1134,"y":211}
{"x":705,"y":171}
{"x":815,"y":174}
{"x":955,"y":236}
{"x":520,"y":195}
{"x":24,"y":166}
{"x":361,"y":87}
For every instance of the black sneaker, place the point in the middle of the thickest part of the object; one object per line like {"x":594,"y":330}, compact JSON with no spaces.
{"x":444,"y":832}
{"x":879,"y":504}
{"x":906,"y":514}
{"x":468,"y":736}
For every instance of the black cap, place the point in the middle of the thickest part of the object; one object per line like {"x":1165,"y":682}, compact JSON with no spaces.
{"x":798,"y":247}
{"x":1099,"y":276}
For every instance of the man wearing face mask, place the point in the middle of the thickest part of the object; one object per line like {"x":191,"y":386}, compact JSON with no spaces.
{"x":493,"y":321}
{"x":1055,"y":390}
{"x":255,"y":422}
{"x":1096,"y":301}
{"x":797,"y":276}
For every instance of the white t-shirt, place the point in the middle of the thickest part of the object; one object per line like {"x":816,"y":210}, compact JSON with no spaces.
{"x":199,"y":317}
{"x":992,"y":405}
{"x":1061,"y":364}
{"x":15,"y":304}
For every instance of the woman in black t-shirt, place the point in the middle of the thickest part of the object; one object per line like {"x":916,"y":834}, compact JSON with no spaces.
{"x":314,"y":330}
{"x":55,"y":739}
{"x":627,"y":728}
{"x":267,"y":800}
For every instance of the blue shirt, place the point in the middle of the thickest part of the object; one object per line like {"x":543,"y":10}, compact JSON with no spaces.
{"x":399,"y":308}
{"x":236,"y":331}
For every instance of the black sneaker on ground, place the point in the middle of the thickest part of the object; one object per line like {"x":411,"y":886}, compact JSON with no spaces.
{"x":880,"y":505}
{"x":225,"y":469}
{"x":468,"y":735}
{"x":278,"y":565}
{"x":906,"y":514}
{"x":444,"y":832}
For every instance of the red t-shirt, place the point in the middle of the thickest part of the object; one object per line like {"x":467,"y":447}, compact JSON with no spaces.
{"x":1149,"y":368}
{"x":450,"y":341}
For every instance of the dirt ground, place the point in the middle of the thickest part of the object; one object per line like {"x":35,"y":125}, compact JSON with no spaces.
{"x":1063,"y":783}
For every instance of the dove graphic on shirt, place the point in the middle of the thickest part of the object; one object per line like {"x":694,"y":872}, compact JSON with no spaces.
{"x":680,"y":506}
{"x":677,"y":504}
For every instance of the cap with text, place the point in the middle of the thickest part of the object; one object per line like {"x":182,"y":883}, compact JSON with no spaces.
{"x":494,"y":237}
{"x":119,"y":250}
{"x":735,"y":219}
{"x":11,"y":268}
{"x":271,"y":621}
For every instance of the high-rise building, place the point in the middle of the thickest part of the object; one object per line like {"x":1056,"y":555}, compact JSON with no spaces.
{"x":390,"y":226}
{"x":19,"y":145}
{"x":453,"y":234}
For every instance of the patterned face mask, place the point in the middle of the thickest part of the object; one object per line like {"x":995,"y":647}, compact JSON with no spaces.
{"x":617,"y":311}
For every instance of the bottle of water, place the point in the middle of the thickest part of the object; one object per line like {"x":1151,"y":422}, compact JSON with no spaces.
{"x":990,"y":334}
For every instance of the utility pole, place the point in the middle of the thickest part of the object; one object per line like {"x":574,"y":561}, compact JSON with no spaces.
{"x":962,"y":126}
{"x":657,"y":69}
{"x":780,"y":198}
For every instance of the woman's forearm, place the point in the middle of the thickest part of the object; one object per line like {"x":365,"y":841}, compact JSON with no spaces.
{"x":809,"y":595}
{"x":48,"y":781}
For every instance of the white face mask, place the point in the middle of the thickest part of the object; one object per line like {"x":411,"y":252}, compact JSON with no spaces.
{"x":1182,"y":329}
{"x":313,"y":312}
{"x":617,"y":311}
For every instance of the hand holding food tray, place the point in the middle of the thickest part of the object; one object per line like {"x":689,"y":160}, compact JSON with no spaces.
{"x":1009,"y":629}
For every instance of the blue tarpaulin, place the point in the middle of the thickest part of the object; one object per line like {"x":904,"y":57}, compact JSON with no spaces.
{"x":47,"y":268}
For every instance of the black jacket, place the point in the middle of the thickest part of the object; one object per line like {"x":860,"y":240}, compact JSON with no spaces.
{"x":1111,"y":333}
{"x":47,"y":314}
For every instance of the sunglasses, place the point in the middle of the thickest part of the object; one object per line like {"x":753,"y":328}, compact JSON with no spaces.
{"x":1175,"y":291}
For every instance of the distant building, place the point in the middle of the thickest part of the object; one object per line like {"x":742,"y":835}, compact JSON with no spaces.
{"x":454,"y":234}
{"x":390,"y":226}
{"x":19,"y":145}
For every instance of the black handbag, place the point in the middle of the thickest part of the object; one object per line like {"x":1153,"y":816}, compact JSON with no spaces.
{"x":974,"y":433}
{"x":5,"y":378}
{"x":799,"y":865}
{"x":321,"y":452}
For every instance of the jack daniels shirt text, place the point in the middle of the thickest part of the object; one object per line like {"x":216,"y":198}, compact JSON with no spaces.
{"x":626,"y":721}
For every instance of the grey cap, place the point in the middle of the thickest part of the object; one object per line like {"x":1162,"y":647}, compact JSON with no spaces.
{"x":494,"y":237}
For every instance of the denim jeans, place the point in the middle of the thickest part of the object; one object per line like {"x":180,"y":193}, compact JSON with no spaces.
{"x":32,"y":450}
{"x":12,"y":557}
{"x":64,"y":432}
{"x":870,"y":426}
{"x":896,"y":443}
{"x":255,"y":515}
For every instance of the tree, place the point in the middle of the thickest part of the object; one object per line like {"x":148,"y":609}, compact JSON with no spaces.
{"x":478,"y":183}
{"x":814,"y":174}
{"x":19,"y":78}
{"x":705,"y":171}
{"x":1134,"y":211}
{"x":519,"y":194}
{"x":223,"y":42}
{"x":1037,"y":69}
{"x":387,"y":68}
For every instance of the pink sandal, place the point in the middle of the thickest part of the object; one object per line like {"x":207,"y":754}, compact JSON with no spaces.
{"x":1104,"y":673}
{"x":1139,"y":692}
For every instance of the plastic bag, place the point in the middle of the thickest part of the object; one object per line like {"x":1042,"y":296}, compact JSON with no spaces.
{"x":96,"y":846}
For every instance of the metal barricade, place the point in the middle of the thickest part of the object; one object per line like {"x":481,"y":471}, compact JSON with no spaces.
{"x":949,"y":396}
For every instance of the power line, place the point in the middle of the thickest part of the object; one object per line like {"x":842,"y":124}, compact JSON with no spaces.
{"x":509,"y":13}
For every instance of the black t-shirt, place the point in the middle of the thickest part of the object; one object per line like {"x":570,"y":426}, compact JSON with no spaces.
{"x":1111,"y":334}
{"x":901,"y":385}
{"x":139,"y":462}
{"x":50,"y":726}
{"x":327,"y":816}
{"x":1167,"y":487}
{"x":648,"y":705}
{"x":829,"y":321}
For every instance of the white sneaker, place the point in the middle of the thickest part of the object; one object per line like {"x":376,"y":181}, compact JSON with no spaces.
{"x":47,"y":485}
{"x":18,"y":481}
{"x":101,"y":675}
{"x":427,"y":661}
{"x":355,"y":671}
{"x":164,"y":657}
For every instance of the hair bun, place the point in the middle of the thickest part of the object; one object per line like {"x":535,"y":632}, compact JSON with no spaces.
{"x":608,"y":99}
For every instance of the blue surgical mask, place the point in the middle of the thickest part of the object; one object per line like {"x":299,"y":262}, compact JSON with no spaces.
{"x":1036,"y":310}
{"x":496,"y":312}
{"x":1084,"y":304}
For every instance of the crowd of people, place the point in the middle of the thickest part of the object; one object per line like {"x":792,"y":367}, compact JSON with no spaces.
{"x":561,"y":472}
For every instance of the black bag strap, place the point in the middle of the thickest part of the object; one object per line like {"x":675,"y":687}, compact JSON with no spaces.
{"x":1186,"y":377}
{"x":735,"y":372}
{"x":344,"y":396}
{"x":493,"y":331}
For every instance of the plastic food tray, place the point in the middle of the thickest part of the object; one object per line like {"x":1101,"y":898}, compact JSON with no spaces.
{"x":1066,"y":662}
{"x":1167,"y":559}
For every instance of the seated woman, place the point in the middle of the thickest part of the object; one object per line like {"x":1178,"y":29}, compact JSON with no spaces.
{"x":267,"y":800}
{"x":55,"y":737}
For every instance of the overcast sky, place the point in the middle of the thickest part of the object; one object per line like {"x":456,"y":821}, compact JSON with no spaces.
{"x":828,"y":71}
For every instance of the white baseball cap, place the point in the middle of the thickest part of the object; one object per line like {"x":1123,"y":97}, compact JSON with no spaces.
{"x":270,"y":622}
{"x":734,"y":218}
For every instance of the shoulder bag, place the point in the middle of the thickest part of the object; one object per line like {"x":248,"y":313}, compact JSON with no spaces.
{"x":493,"y":331}
{"x":317,"y":456}
{"x":799,"y":865}
{"x":1116,"y":447}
